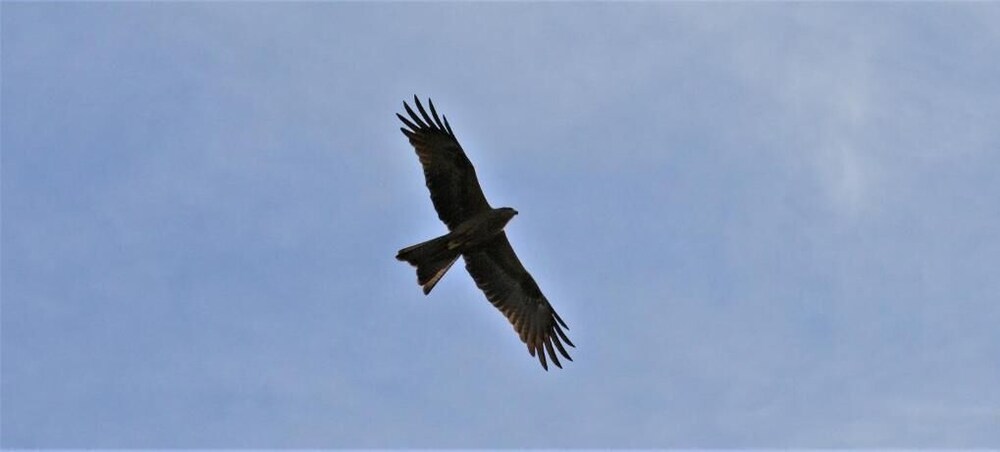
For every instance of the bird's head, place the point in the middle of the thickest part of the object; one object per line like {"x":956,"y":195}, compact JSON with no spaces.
{"x":509,"y":211}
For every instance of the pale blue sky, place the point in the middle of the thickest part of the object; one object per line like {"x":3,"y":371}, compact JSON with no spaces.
{"x":765,"y":224}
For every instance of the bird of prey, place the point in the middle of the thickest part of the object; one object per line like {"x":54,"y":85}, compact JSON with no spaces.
{"x":476,"y":234}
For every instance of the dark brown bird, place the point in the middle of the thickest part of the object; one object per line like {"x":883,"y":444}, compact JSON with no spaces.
{"x":476,"y":233}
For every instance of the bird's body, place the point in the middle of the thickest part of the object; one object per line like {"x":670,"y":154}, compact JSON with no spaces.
{"x":476,"y":234}
{"x":434,"y":257}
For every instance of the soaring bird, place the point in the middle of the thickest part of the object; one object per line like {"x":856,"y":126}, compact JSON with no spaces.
{"x":476,"y":233}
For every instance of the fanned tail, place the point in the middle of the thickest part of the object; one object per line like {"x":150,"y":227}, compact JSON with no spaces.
{"x":432,"y":258}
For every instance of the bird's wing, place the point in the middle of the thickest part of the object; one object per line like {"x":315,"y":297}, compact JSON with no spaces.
{"x":450,"y":176}
{"x":499,"y":274}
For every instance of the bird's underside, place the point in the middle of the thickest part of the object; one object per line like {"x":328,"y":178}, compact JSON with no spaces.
{"x":476,"y":234}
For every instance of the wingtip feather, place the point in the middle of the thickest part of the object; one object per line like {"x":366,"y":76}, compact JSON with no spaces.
{"x":559,"y":346}
{"x":423,"y":113}
{"x":434,"y":114}
{"x":562,"y":335}
{"x":559,"y":319}
{"x":413,"y":127}
{"x":447,"y":126}
{"x":413,"y":115}
{"x":541,"y":359}
{"x":552,"y":353}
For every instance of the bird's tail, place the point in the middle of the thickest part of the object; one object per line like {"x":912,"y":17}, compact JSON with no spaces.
{"x":432,"y":258}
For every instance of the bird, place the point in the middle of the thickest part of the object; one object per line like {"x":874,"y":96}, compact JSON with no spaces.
{"x":476,"y":233}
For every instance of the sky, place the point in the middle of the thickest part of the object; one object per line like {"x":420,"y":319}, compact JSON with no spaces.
{"x":766,"y":225}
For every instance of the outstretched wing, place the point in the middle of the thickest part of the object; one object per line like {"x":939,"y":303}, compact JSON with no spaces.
{"x":450,"y":176}
{"x":499,"y":274}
